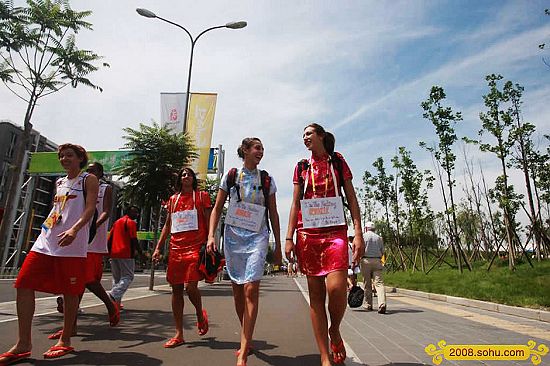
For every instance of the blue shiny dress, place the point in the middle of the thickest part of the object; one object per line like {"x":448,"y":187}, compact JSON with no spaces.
{"x":245,"y":250}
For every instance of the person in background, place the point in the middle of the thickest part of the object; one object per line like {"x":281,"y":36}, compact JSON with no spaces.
{"x":97,"y":249}
{"x":372,"y":268}
{"x":187,"y":222}
{"x":123,"y":245}
{"x":56,"y":263}
{"x":246,"y":246}
{"x":321,"y":248}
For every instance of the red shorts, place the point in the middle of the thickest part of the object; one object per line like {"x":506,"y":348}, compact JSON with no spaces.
{"x":183,"y":266}
{"x":94,"y":267}
{"x":55,"y":275}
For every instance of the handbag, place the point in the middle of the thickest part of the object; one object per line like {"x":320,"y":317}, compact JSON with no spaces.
{"x":355,"y":297}
{"x":210,"y":264}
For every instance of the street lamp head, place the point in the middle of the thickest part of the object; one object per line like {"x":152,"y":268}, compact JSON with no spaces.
{"x":236,"y":25}
{"x":146,"y":13}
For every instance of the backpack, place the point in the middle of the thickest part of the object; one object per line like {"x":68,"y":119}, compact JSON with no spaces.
{"x":265,"y":179}
{"x":336,"y":161}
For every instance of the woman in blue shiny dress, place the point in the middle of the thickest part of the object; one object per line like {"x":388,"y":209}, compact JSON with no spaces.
{"x":246,"y":236}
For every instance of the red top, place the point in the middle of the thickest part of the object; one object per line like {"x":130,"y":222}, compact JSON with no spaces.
{"x":323,"y":181}
{"x":123,"y":230}
{"x":194,"y":237}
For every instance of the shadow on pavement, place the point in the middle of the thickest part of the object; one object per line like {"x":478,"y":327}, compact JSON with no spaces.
{"x":388,"y":312}
{"x":99,"y":358}
{"x":280,"y":360}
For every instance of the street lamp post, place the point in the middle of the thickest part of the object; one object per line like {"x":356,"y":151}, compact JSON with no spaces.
{"x":232,"y":25}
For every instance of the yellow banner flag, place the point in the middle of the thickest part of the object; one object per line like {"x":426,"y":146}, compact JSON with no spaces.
{"x":200,"y":123}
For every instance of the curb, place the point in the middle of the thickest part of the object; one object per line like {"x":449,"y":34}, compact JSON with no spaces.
{"x":540,"y":315}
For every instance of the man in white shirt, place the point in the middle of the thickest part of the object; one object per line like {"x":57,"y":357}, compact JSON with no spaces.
{"x":372,"y":268}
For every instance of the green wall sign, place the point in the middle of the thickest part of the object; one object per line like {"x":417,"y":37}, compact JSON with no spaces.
{"x":47,"y":163}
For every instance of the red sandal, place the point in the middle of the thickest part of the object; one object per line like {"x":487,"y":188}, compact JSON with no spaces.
{"x":203,"y":326}
{"x":115,"y":318}
{"x":338,"y":352}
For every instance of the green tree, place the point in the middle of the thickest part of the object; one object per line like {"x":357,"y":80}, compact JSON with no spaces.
{"x":444,"y":119}
{"x":414,"y":185}
{"x":523,"y":158}
{"x":38,"y":57}
{"x":498,"y":123}
{"x":156,"y":156}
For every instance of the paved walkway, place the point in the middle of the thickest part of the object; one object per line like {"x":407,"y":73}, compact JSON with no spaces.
{"x":283,"y":333}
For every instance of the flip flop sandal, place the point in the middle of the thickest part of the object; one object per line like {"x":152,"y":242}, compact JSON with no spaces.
{"x":174,"y":342}
{"x":10,"y":357}
{"x":56,"y":335}
{"x":203,"y":326}
{"x":338,"y":352}
{"x":58,"y":351}
{"x":115,"y":318}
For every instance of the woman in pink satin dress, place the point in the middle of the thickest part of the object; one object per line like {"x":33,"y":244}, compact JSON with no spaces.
{"x":321,"y":246}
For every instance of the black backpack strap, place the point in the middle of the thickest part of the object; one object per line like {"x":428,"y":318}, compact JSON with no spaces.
{"x":302,"y":165}
{"x":338,"y":165}
{"x":266,"y":185}
{"x":93,"y":220}
{"x":232,"y":182}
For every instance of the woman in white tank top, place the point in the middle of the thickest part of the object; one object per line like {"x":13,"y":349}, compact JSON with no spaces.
{"x":56,"y":263}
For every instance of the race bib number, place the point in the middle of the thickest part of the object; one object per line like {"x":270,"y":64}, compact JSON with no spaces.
{"x":245,"y":215}
{"x":186,"y":220}
{"x":322,"y":212}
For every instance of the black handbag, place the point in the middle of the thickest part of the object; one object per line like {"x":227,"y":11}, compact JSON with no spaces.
{"x":355,"y":297}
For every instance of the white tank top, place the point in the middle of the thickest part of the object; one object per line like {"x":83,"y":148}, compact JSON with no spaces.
{"x":47,"y":242}
{"x":99,"y":243}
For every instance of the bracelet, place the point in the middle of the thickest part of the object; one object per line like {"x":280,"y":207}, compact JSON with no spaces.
{"x":289,"y":239}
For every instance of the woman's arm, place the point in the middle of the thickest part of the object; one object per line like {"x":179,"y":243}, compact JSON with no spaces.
{"x":292,"y":221}
{"x":92,"y":187}
{"x":358,"y":241}
{"x":163,"y":235}
{"x":275,"y":226}
{"x":214,"y":219}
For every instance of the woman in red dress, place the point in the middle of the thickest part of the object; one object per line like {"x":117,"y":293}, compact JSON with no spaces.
{"x":187,"y":222}
{"x":321,"y":246}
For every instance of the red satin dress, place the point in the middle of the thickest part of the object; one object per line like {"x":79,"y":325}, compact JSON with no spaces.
{"x":183,"y":259}
{"x":321,"y":250}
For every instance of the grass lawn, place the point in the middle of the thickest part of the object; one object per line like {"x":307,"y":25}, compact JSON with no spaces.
{"x":526,"y":286}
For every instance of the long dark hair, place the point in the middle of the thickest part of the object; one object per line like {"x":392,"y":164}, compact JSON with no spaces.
{"x":246,"y":144}
{"x":328,"y":138}
{"x":189,"y":171}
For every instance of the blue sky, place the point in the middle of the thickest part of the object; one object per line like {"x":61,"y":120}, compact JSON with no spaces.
{"x":360,"y":68}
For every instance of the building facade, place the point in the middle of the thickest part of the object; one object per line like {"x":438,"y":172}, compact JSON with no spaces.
{"x":37,"y":194}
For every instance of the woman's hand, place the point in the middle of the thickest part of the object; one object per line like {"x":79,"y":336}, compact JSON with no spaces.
{"x":289,"y":250}
{"x":358,"y":249}
{"x":211,"y":246}
{"x":156,"y":255}
{"x":66,"y":238}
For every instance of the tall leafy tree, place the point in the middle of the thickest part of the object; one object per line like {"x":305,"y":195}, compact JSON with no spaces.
{"x":156,"y":156}
{"x":498,"y":123}
{"x":413,"y":185}
{"x":38,"y":57}
{"x":524,"y":157}
{"x":444,"y":119}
